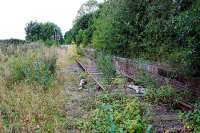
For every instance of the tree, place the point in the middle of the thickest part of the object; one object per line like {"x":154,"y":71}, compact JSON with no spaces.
{"x":51,"y":31}
{"x":68,"y":37}
{"x":87,"y":8}
{"x":156,"y":30}
{"x":43,"y":31}
{"x":33,"y":31}
{"x":82,"y":30}
{"x":118,"y":24}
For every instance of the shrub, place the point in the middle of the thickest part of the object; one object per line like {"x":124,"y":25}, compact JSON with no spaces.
{"x":192,"y":119}
{"x":166,"y":94}
{"x":116,"y":113}
{"x":50,"y":42}
{"x":104,"y":64}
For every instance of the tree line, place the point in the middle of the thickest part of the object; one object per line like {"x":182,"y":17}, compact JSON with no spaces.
{"x":48,"y":32}
{"x":157,"y":30}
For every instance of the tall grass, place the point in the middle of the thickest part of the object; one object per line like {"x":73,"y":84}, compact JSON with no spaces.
{"x":16,"y":49}
{"x":30,"y":97}
{"x":104,"y":65}
{"x":34,"y":67}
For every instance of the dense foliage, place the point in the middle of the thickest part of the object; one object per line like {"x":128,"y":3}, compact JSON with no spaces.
{"x":83,"y":28}
{"x":43,"y":31}
{"x":192,"y":119}
{"x":161,"y":30}
{"x":116,"y":113}
{"x":156,"y":94}
{"x":155,"y":30}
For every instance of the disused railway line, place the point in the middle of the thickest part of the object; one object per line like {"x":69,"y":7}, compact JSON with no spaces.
{"x":92,"y":74}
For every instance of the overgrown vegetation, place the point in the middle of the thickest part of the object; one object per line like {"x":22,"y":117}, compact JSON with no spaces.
{"x":116,"y":113}
{"x":142,"y":78}
{"x":36,"y":66}
{"x":164,"y":94}
{"x":154,"y":30}
{"x":104,"y":64}
{"x":82,"y":31}
{"x":31,"y":98}
{"x":192,"y":119}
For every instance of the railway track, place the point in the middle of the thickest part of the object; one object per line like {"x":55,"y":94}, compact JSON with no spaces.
{"x":93,"y":73}
{"x":161,"y":123}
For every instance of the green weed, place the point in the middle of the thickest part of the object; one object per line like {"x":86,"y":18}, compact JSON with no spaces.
{"x":104,"y":64}
{"x":192,"y":119}
{"x":165,"y":94}
{"x":115,"y":113}
{"x":144,"y":79}
{"x":34,"y":67}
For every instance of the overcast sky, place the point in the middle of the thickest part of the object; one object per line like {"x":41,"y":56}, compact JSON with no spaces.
{"x":14,"y":14}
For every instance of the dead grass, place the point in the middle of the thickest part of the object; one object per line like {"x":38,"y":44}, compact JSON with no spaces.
{"x":36,"y":109}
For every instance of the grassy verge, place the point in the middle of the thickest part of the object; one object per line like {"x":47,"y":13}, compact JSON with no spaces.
{"x":30,"y":92}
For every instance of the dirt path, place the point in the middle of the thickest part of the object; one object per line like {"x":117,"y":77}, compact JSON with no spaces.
{"x":79,"y":102}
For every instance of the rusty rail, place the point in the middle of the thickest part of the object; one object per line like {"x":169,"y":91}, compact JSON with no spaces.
{"x":90,"y":74}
